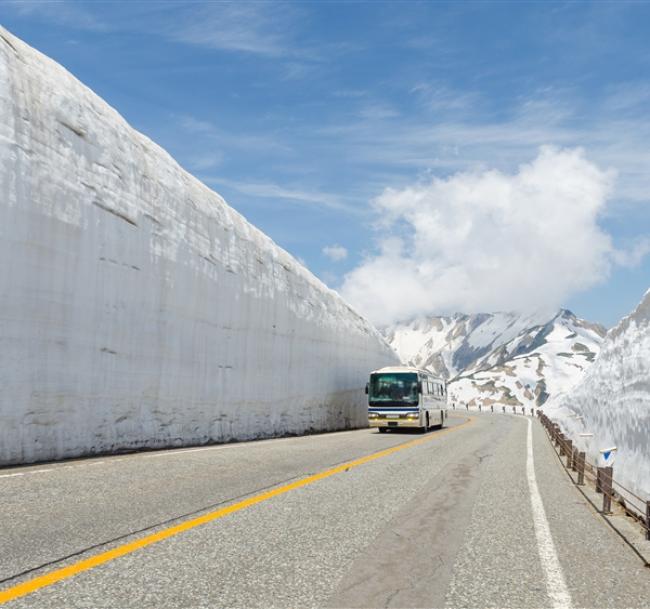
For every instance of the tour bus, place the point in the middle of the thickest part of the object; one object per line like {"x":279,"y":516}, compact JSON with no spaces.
{"x":399,"y":396}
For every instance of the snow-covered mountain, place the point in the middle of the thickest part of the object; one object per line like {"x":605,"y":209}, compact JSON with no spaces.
{"x":500,"y":358}
{"x":613,"y":401}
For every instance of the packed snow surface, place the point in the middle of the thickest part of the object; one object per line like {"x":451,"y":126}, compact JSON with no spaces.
{"x":137,"y":309}
{"x":613,"y":402}
{"x":500,"y":358}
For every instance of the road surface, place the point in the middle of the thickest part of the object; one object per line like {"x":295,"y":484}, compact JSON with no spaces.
{"x":477,"y":515}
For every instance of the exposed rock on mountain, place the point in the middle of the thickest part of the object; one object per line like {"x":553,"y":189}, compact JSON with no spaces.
{"x":500,"y":358}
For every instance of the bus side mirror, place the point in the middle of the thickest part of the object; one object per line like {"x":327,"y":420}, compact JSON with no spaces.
{"x":419,"y":386}
{"x":366,"y":388}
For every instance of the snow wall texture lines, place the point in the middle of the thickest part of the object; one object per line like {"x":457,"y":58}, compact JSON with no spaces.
{"x":613,"y":401}
{"x":137,"y":309}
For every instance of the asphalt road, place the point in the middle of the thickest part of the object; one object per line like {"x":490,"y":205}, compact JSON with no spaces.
{"x":446,"y":519}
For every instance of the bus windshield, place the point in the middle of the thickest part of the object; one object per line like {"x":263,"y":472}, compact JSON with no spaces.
{"x":393,"y":389}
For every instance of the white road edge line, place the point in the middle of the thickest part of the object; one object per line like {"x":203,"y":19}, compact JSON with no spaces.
{"x":182,"y":451}
{"x":555,"y":582}
{"x":167,"y":453}
{"x":27,"y":473}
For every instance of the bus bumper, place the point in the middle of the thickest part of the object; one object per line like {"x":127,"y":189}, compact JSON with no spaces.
{"x":394,"y":423}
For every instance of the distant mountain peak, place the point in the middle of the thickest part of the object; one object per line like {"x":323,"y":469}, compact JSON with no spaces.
{"x":503,"y":357}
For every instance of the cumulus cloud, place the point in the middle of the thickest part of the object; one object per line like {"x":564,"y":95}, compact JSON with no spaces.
{"x":336,"y":253}
{"x":486,"y":240}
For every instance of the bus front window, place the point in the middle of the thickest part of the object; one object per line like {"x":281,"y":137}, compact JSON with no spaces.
{"x":393,"y":389}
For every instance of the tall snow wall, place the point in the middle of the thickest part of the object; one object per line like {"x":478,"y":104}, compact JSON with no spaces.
{"x":613,"y":401}
{"x":137,"y":309}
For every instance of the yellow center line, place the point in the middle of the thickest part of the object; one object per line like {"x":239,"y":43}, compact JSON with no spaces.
{"x":42,"y":581}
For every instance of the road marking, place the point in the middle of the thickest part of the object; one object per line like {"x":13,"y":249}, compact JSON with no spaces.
{"x":555,"y":582}
{"x":182,"y":451}
{"x":42,"y":581}
{"x":167,"y":453}
{"x":27,"y":473}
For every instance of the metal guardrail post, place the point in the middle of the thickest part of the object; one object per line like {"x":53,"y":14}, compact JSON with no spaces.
{"x":561,"y":439}
{"x":607,"y":474}
{"x":598,"y":480}
{"x":582,"y":458}
{"x":514,"y":410}
{"x":568,"y":451}
{"x":504,"y":409}
{"x":574,"y":460}
{"x":492,"y":407}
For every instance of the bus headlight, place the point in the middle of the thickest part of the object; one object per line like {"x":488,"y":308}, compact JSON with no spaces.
{"x":373,"y":415}
{"x":413,"y":415}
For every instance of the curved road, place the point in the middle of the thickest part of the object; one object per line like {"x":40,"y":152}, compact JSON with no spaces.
{"x":477,"y":515}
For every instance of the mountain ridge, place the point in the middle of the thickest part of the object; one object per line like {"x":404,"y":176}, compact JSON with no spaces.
{"x":505,"y":357}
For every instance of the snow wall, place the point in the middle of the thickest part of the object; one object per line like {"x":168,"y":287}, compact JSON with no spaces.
{"x":613,"y":401}
{"x":137,"y":309}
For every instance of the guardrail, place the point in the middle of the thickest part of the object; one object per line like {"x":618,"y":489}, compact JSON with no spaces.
{"x":602,"y":477}
{"x":515,"y":409}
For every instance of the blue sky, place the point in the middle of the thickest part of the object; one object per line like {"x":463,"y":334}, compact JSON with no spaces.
{"x":302,"y":115}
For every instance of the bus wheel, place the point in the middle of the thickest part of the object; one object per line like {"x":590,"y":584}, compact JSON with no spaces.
{"x":427,"y":427}
{"x":382,"y":429}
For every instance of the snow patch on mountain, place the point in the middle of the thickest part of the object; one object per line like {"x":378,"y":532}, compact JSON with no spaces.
{"x":612,"y":401}
{"x":500,"y":358}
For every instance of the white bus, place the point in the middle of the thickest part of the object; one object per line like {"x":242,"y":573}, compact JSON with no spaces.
{"x":406,"y":397}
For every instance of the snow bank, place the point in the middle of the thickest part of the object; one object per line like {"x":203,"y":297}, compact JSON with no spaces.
{"x":613,"y":401}
{"x":137,"y":309}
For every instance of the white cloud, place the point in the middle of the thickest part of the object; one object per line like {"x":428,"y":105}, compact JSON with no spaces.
{"x":336,"y":253}
{"x":253,"y":27}
{"x":269,"y":190}
{"x":636,"y":251}
{"x":486,"y":240}
{"x":208,"y":160}
{"x":63,"y":12}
